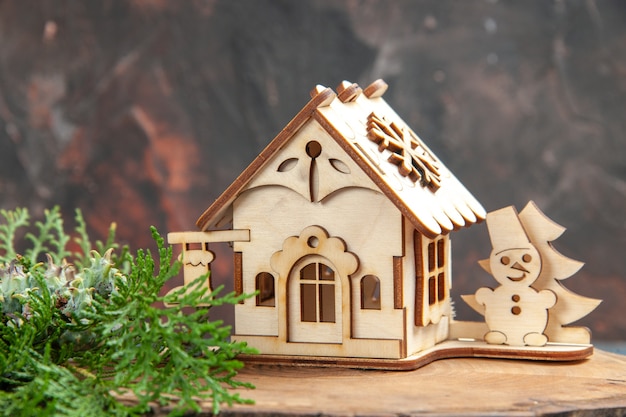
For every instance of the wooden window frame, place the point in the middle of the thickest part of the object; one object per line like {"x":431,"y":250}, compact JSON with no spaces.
{"x":431,"y":268}
{"x":323,"y":293}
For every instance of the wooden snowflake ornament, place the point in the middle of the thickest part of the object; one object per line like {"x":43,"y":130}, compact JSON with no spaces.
{"x":407,"y":151}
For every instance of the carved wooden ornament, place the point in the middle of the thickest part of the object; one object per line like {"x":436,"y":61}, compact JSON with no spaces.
{"x":516,"y":313}
{"x":341,"y":227}
{"x":529,"y":270}
{"x":407,"y":151}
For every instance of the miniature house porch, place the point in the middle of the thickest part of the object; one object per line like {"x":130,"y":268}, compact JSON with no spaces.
{"x":342,"y":226}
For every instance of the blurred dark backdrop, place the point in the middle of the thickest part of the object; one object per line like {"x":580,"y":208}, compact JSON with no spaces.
{"x":143,"y":111}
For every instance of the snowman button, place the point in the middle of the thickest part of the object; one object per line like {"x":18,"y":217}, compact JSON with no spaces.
{"x":515,"y":298}
{"x":516,"y":310}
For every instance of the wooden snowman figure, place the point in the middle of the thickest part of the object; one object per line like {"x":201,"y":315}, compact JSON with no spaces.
{"x":516,"y":313}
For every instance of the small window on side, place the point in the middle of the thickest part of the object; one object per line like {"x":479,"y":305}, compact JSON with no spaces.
{"x":265,"y":286}
{"x":370,"y":293}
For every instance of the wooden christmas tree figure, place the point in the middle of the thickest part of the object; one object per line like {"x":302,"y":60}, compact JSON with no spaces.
{"x":523,"y":255}
{"x":569,"y":306}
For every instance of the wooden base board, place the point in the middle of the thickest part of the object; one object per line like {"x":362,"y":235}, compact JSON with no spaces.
{"x":446,"y":350}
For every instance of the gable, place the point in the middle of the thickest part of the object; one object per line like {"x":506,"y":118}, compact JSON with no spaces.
{"x":313,"y":165}
{"x":372,"y":137}
{"x":219,"y":213}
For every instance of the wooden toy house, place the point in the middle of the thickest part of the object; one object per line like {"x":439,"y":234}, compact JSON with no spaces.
{"x":342,"y":224}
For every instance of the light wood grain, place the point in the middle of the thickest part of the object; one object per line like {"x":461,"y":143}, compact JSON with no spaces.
{"x":348,"y":166}
{"x":556,"y":268}
{"x":448,"y":387}
{"x":208,"y":236}
{"x":349,"y":189}
{"x":529,"y":271}
{"x":376,"y":358}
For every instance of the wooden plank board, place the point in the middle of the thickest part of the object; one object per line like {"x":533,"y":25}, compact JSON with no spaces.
{"x":595,"y":386}
{"x":213,"y":236}
{"x":445,"y":350}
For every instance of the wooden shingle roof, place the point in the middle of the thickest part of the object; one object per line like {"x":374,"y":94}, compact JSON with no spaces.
{"x":385,"y":148}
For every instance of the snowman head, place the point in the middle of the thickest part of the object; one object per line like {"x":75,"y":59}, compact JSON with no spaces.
{"x":515,"y":265}
{"x":513,"y":260}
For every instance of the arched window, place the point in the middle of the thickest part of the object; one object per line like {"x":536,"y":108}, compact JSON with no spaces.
{"x":370,"y":293}
{"x":265,"y":286}
{"x":317,"y":293}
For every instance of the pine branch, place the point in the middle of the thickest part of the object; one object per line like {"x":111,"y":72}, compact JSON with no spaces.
{"x":86,"y":333}
{"x":51,"y":238}
{"x":167,"y":355}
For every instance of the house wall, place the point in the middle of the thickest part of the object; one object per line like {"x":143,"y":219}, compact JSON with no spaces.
{"x":294,"y":192}
{"x":368,"y":223}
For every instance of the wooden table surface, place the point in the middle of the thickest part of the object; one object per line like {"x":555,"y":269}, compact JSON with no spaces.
{"x":596,"y":386}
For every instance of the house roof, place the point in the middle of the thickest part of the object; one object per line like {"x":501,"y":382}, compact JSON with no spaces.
{"x":384,"y":147}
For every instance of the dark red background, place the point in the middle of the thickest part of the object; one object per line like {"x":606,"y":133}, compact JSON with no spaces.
{"x":142,"y":112}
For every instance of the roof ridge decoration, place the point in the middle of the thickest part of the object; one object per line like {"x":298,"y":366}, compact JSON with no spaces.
{"x":348,"y":92}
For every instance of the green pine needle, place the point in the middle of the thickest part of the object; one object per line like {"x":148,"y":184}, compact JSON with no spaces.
{"x":14,"y":220}
{"x":74,"y":339}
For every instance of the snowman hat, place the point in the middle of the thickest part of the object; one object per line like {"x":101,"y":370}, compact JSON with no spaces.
{"x":506,"y":230}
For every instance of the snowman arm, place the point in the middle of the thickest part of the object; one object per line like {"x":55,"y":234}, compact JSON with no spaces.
{"x":548,"y":298}
{"x":483,"y":295}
